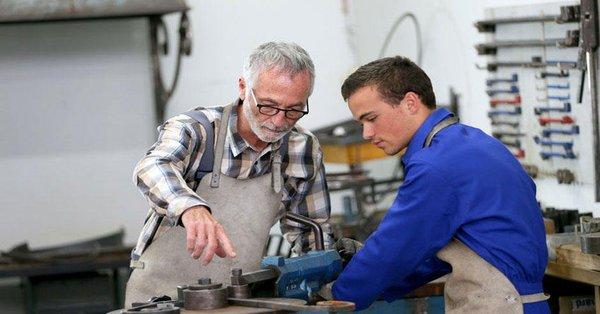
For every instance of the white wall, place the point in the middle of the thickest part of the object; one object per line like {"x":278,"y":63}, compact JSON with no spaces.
{"x":72,"y":96}
{"x":449,"y":59}
{"x":76,"y":106}
{"x":76,"y":98}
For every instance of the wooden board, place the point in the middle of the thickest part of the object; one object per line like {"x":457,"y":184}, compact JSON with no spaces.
{"x":570,"y":254}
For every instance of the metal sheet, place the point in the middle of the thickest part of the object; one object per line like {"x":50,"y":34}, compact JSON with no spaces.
{"x":28,"y":11}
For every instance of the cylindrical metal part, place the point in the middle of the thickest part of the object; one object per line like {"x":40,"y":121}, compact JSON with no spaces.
{"x":239,"y":291}
{"x":207,"y":299}
{"x":180,"y":292}
{"x":593,"y":87}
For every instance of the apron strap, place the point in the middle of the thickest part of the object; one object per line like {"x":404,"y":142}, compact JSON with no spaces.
{"x":438,"y":127}
{"x":216,"y":174}
{"x":276,"y":178}
{"x":536,"y":297}
{"x":207,"y":160}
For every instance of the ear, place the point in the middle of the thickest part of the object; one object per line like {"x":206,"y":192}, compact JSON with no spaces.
{"x":241,"y":88}
{"x":413,"y":102}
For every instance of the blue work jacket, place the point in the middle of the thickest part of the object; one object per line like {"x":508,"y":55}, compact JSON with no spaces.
{"x":466,"y":185}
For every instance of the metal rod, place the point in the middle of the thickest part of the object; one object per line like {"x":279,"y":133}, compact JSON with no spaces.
{"x":592,"y":81}
{"x":316,"y":228}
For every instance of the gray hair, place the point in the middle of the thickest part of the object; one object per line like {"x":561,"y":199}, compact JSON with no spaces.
{"x":289,"y":57}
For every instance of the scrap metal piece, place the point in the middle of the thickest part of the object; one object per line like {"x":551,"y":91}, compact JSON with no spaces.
{"x":590,"y":243}
{"x":151,"y":308}
{"x":295,"y":305}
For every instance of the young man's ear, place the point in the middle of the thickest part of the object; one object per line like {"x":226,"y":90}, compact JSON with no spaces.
{"x":413,"y":102}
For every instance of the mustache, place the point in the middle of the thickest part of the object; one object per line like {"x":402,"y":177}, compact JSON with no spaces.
{"x":274,"y":128}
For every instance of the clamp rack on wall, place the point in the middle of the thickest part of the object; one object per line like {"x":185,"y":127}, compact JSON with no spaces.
{"x":510,"y":103}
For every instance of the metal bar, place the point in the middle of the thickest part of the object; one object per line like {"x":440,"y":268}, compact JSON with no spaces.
{"x":316,"y":228}
{"x":490,"y":25}
{"x":589,"y":44}
{"x":18,"y":11}
{"x":565,"y":108}
{"x":572,"y":131}
{"x":491,"y":48}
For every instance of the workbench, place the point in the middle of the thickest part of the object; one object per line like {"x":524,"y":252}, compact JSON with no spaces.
{"x":572,"y":273}
{"x":31,"y":273}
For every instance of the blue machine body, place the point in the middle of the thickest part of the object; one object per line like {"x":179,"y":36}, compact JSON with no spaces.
{"x":300,"y":277}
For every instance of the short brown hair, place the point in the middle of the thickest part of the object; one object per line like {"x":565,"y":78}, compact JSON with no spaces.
{"x":393,"y":77}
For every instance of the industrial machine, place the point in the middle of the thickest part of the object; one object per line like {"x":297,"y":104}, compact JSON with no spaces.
{"x":282,"y":284}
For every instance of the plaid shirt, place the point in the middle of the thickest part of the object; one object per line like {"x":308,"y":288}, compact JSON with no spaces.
{"x":166,"y":176}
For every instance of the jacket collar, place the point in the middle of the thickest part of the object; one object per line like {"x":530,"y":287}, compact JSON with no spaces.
{"x":417,"y":141}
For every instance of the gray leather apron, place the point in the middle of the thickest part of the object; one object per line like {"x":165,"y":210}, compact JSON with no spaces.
{"x":247,"y":209}
{"x":476,"y":286}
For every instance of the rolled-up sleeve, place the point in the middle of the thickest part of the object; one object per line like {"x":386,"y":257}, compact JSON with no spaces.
{"x":400,"y":255}
{"x":160,"y":174}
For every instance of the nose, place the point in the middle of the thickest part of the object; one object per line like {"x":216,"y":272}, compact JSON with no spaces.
{"x":279,"y":119}
{"x":367,"y":132}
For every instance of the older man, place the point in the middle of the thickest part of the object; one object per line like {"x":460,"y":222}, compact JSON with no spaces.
{"x":218,"y":178}
{"x":466,"y":205}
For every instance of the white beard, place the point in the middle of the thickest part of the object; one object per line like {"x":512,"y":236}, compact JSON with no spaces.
{"x":258,"y":128}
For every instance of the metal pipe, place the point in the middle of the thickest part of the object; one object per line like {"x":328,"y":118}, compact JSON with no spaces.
{"x":315,"y":227}
{"x":592,"y":81}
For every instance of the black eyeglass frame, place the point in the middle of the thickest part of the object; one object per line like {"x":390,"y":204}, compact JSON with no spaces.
{"x":285,"y":111}
{"x":303,"y":112}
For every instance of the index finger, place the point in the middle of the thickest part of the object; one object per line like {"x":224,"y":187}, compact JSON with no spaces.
{"x":226,"y":243}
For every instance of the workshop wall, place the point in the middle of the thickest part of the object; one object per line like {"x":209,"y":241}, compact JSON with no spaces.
{"x":76,"y":97}
{"x":76,"y":106}
{"x":448,"y":56}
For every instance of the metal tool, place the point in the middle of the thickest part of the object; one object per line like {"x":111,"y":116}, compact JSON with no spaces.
{"x":560,"y":98}
{"x":507,"y":123}
{"x":495,"y":112}
{"x":162,"y":307}
{"x":491,"y":48}
{"x":493,"y":66}
{"x":205,"y":296}
{"x":572,"y":131}
{"x":531,"y":170}
{"x":498,"y":134}
{"x":512,"y":79}
{"x":512,"y":90}
{"x":565,"y":155}
{"x":515,"y":143}
{"x":564,"y":120}
{"x":565,"y":108}
{"x":295,"y":305}
{"x":511,"y":101}
{"x":545,"y":142}
{"x":568,"y":14}
{"x":558,"y":86}
{"x":560,"y":74}
{"x":565,"y":176}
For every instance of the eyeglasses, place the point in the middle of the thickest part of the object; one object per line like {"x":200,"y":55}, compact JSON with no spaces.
{"x":272,"y":110}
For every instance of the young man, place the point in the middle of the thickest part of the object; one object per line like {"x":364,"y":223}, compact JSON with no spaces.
{"x":466,"y":205}
{"x":221,"y":195}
